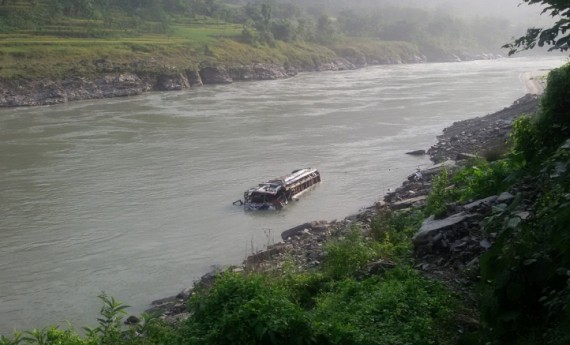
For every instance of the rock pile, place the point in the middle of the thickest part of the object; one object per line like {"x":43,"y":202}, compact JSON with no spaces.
{"x":481,"y":135}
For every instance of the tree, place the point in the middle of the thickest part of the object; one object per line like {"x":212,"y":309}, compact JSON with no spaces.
{"x":325,"y":29}
{"x":283,"y":30}
{"x":266,"y":14}
{"x":555,"y":36}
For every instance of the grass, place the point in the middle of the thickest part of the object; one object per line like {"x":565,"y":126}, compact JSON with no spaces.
{"x":67,"y":47}
{"x":57,"y":50}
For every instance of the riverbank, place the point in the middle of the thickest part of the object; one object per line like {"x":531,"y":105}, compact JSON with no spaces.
{"x":447,"y":260}
{"x":107,"y":77}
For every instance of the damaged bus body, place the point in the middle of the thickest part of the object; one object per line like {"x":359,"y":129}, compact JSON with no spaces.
{"x":274,"y":194}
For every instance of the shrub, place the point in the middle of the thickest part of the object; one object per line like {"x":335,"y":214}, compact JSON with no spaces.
{"x":393,"y":231}
{"x":525,"y":141}
{"x":527,"y":271}
{"x":401,"y":308}
{"x":436,"y":202}
{"x":303,"y":288}
{"x":245,"y":310}
{"x":554,"y":120}
{"x":344,"y":256}
{"x":481,"y":179}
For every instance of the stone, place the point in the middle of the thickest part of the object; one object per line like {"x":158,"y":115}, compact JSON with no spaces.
{"x":172,"y":82}
{"x":399,"y":205}
{"x":505,"y":197}
{"x":478,"y":203}
{"x":437,"y":168}
{"x":431,"y":227}
{"x":215,"y":75}
{"x":132,"y":320}
{"x":375,"y":268}
{"x":266,"y":254}
{"x":194,"y":78}
{"x":295,"y":231}
{"x":523,"y":215}
{"x":184,"y":294}
{"x":416,"y":153}
{"x":465,"y":156}
{"x":485,"y":244}
{"x":165,"y":300}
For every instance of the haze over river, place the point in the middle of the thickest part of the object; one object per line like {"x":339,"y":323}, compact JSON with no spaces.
{"x":133,"y":196}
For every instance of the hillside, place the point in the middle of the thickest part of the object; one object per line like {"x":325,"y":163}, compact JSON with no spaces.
{"x":60,"y":51}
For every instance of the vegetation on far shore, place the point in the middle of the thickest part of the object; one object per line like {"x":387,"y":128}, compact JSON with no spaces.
{"x":62,"y":38}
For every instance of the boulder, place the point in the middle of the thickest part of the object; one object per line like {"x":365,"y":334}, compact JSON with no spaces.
{"x":437,"y":168}
{"x":505,"y":198}
{"x":431,"y":227}
{"x":215,"y":75}
{"x":194,"y":78}
{"x":316,"y":226}
{"x":465,"y":156}
{"x":258,"y":72}
{"x":132,"y":320}
{"x":375,"y":268}
{"x":295,"y":231}
{"x":267,"y":254}
{"x":399,"y":205}
{"x":480,"y":203}
{"x":416,"y":153}
{"x":172,"y":82}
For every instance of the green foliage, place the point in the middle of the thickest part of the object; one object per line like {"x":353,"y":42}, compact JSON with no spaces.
{"x":436,"y":203}
{"x":333,"y":305}
{"x":401,"y":308}
{"x":346,"y":255}
{"x":553,"y":123}
{"x":393,"y":231}
{"x":555,"y":36}
{"x":304,"y":287}
{"x":533,"y":140}
{"x":526,"y":273}
{"x":109,"y":329}
{"x":245,"y":310}
{"x":481,"y":179}
{"x":525,"y":141}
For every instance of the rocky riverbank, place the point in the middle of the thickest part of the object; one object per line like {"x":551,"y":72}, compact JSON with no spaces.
{"x":120,"y":80}
{"x":445,"y":248}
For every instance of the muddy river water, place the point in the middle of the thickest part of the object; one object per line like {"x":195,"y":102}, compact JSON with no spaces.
{"x":133,"y":196}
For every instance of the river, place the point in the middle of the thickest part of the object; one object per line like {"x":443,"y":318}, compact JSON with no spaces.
{"x":133,"y":196}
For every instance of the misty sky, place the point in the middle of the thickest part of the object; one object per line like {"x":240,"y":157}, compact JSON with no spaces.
{"x":514,"y":10}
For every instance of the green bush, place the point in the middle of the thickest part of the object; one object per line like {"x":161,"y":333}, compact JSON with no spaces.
{"x":554,"y":120}
{"x":481,"y":179}
{"x":436,"y":203}
{"x":400,"y":308}
{"x":344,"y":256}
{"x":393,"y":231}
{"x":245,"y":310}
{"x":303,"y":288}
{"x":526,"y":273}
{"x":524,"y":138}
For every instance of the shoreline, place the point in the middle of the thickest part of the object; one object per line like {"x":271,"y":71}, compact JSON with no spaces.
{"x":304,"y":242}
{"x":122,"y":81}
